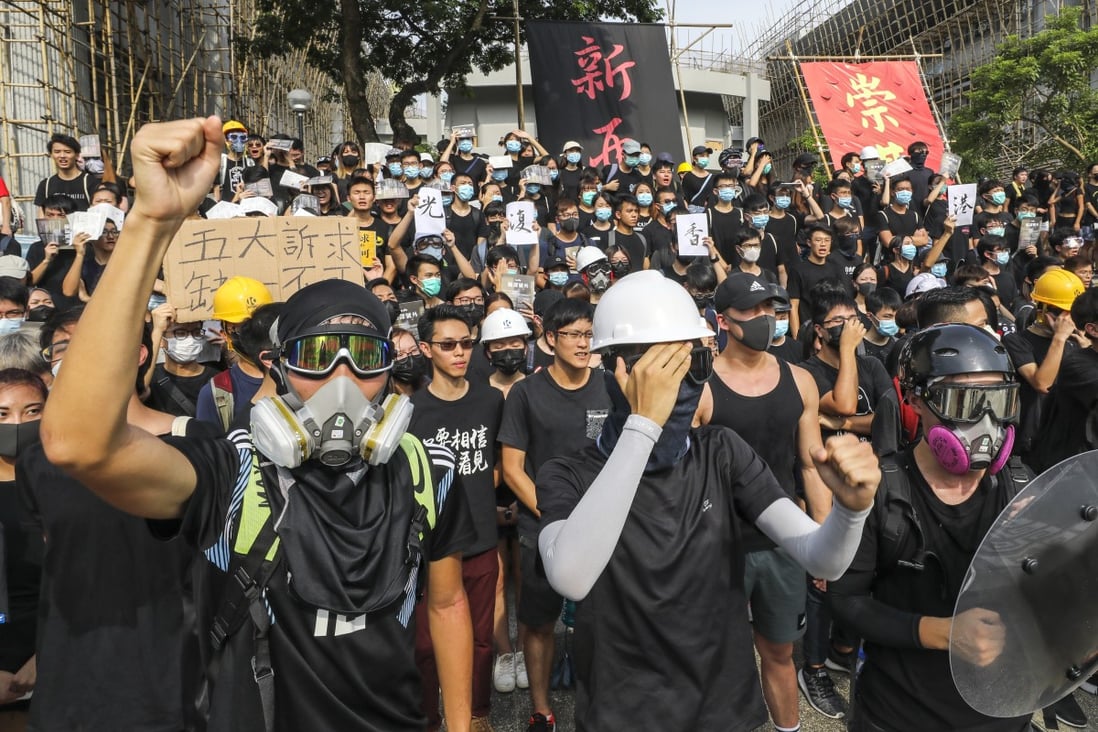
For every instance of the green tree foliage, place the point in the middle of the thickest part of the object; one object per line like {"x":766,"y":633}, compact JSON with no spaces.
{"x":421,"y":46}
{"x":1039,"y":84}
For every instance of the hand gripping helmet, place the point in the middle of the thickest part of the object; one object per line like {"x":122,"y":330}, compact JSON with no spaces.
{"x":1058,"y":288}
{"x":646,"y":307}
{"x":976,"y":430}
{"x":237,"y":299}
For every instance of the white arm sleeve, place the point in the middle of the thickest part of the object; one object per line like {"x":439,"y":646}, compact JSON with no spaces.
{"x":824,"y":551}
{"x":576,"y":551}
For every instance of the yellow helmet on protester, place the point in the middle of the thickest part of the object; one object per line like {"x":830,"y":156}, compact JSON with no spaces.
{"x":684,"y":168}
{"x":233,"y":126}
{"x":1058,"y":288}
{"x":237,"y":299}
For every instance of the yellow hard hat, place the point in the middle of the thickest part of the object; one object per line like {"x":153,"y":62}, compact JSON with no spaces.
{"x":231,"y":126}
{"x":237,"y":299}
{"x":1058,"y":288}
{"x":684,"y":168}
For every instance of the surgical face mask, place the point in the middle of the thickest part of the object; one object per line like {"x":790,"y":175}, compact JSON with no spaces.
{"x":1023,"y":215}
{"x":757,"y":332}
{"x":599,"y":281}
{"x":15,"y":438}
{"x":497,"y":198}
{"x":751,"y":254}
{"x":349,"y":161}
{"x":410,"y":369}
{"x":726,"y":194}
{"x":702,"y":163}
{"x":396,"y":169}
{"x":10,"y":325}
{"x":465,"y":192}
{"x":908,"y":251}
{"x":411,"y":171}
{"x":844,"y":201}
{"x":426,"y":172}
{"x":632,"y":160}
{"x":855,"y":168}
{"x":553,"y":174}
{"x":783,"y":202}
{"x":603,"y":214}
{"x":533,"y":188}
{"x":558,"y":279}
{"x":781,"y":329}
{"x":573,"y":158}
{"x":588,"y":197}
{"x":499,"y":175}
{"x":939,"y":270}
{"x":887,"y":327}
{"x":644,"y":199}
{"x":435,"y":252}
{"x":509,"y":360}
{"x":447,"y":199}
{"x":998,"y":198}
{"x":1002,"y":258}
{"x":903,"y":197}
{"x":645,"y":158}
{"x":668,"y":207}
{"x":996,"y":231}
{"x":465,"y":146}
{"x":767,"y":168}
{"x":866,"y":288}
{"x":431,"y":285}
{"x":186,"y":349}
{"x":513,"y":146}
{"x":759,"y":221}
{"x":570,"y":225}
{"x":446,"y":176}
{"x":56,"y":369}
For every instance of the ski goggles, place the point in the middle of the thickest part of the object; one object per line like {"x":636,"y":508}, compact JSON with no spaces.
{"x":968,"y":403}
{"x":701,"y":363}
{"x":318,"y":355}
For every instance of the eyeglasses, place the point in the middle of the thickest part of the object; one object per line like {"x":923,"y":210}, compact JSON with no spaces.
{"x":575,"y":335}
{"x":969,"y":403}
{"x":701,"y":364}
{"x":318,"y":355}
{"x":447,"y":346}
{"x":839,"y":319}
{"x":109,"y":234}
{"x":13,"y":314}
{"x":468,"y":300}
{"x":53,"y":353}
{"x":185,"y":332}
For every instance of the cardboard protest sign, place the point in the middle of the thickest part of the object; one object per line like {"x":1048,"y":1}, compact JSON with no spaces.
{"x":430,"y":213}
{"x":520,"y":223}
{"x":1030,"y":232}
{"x":367,"y":247}
{"x":410,"y":313}
{"x":962,"y":203}
{"x":691,"y":231}
{"x":283,"y":253}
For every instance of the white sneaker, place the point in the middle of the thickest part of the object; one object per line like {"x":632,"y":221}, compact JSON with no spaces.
{"x":521,"y":679}
{"x":503,"y":673}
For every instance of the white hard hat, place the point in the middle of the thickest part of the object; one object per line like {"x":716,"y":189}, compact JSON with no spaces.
{"x":503,"y":323}
{"x":259,"y":204}
{"x":587,"y":256}
{"x":646,"y":307}
{"x":869,"y":153}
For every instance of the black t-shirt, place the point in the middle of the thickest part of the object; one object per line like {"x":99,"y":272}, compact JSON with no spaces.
{"x":468,"y":229}
{"x":629,"y":181}
{"x":635,"y":245}
{"x":889,"y":276}
{"x":873,"y":383}
{"x":784,"y":231}
{"x":468,"y":426}
{"x":670,"y":605}
{"x":79,"y":189}
{"x":806,"y":274}
{"x":698,"y":191}
{"x":1025,"y":347}
{"x":597,"y":237}
{"x":476,"y":168}
{"x":790,"y":350}
{"x":177,"y":395}
{"x":723,"y":227}
{"x":115,"y":650}
{"x":570,"y":182}
{"x":659,"y":238}
{"x":545,"y":420}
{"x":230,"y":175}
{"x":900,"y":224}
{"x":332,"y":672}
{"x":1067,"y":419}
{"x":54,"y":276}
{"x":23,"y":568}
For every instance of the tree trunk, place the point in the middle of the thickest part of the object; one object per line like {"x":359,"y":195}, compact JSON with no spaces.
{"x":401,"y":101}
{"x":354,"y":81}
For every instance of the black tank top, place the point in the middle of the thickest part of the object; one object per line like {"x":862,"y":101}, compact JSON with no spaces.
{"x":767,"y":423}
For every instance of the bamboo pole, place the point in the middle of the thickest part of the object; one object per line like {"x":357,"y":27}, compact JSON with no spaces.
{"x":133,"y":113}
{"x":808,"y":110}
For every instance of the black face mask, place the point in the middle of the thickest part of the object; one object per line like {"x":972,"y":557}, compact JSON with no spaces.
{"x":473,"y":313}
{"x":411,"y":369}
{"x":39,"y":314}
{"x":570,"y":225}
{"x":685,"y":261}
{"x":865,"y":288}
{"x":918,"y":158}
{"x":16,"y":438}
{"x":848,"y":244}
{"x":834,"y":333}
{"x":702,"y":301}
{"x":620,"y":269}
{"x":349,"y":161}
{"x":393,"y":308}
{"x":494,"y":227}
{"x":509,"y":360}
{"x":757,"y":332}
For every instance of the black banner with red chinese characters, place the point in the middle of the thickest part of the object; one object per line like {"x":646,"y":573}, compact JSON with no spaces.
{"x":601,"y":84}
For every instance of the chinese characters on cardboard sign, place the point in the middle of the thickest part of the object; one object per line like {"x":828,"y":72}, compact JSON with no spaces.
{"x":285,"y":254}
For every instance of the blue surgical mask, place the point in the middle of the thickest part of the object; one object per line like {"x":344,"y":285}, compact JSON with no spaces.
{"x":396,"y":170}
{"x":465,"y":146}
{"x":9,"y":325}
{"x":767,"y":168}
{"x":497,"y":198}
{"x":553,"y":174}
{"x":499,"y":175}
{"x":645,"y":158}
{"x":939,"y":270}
{"x":426,"y":172}
{"x":781,"y":328}
{"x":513,"y":146}
{"x":533,"y":188}
{"x":783,"y":202}
{"x":465,"y":192}
{"x":702,"y":163}
{"x":844,"y":201}
{"x":447,"y":199}
{"x":558,"y":279}
{"x":238,"y":147}
{"x":632,"y":160}
{"x":603,"y":214}
{"x":1002,"y":258}
{"x":997,"y":231}
{"x":411,"y":171}
{"x":588,"y":197}
{"x":431,"y":285}
{"x":998,"y":198}
{"x":644,"y":199}
{"x":908,"y":251}
{"x":759,"y":221}
{"x":887,"y":327}
{"x":573,"y":158}
{"x":1023,"y":215}
{"x":435,"y":252}
{"x":668,"y":207}
{"x":726,"y":194}
{"x":446,"y":176}
{"x":855,"y":168}
{"x":903,"y":197}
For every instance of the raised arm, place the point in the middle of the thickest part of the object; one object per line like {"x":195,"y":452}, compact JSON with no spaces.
{"x":84,"y":429}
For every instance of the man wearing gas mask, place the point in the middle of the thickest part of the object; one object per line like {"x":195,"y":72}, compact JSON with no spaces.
{"x":231,"y":173}
{"x":331,"y":519}
{"x":937,"y":500}
{"x":596,"y":271}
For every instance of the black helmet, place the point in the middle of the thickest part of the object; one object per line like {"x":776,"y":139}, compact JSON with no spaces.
{"x":950,"y":349}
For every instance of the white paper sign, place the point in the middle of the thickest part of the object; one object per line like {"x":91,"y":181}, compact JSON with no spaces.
{"x":224,"y":210}
{"x":89,"y":146}
{"x":113,"y":213}
{"x":691,"y":230}
{"x":374,"y":152}
{"x":500,"y":161}
{"x":962,"y":203}
{"x":320,"y":180}
{"x":520,"y":223}
{"x":280,"y":143}
{"x":290,"y":179}
{"x":463,"y":131}
{"x":430,"y":214}
{"x":899,"y":166}
{"x":87,"y":222}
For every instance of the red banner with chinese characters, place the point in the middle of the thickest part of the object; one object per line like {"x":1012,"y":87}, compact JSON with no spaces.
{"x":601,"y":84}
{"x":878,"y":103}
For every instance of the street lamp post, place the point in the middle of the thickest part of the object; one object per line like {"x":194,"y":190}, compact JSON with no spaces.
{"x":301,"y":101}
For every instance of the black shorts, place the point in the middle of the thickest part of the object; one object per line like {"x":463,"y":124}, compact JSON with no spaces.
{"x":539,"y":603}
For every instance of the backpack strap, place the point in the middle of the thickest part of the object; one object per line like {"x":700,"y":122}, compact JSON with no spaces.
{"x":221,"y":387}
{"x":900,"y":519}
{"x":701,"y":190}
{"x":176,"y":394}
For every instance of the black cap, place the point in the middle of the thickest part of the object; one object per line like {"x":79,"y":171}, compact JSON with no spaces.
{"x":310,"y":306}
{"x":804,"y":160}
{"x":555,"y":262}
{"x":742,"y":291}
{"x":730,"y":158}
{"x":700,"y":149}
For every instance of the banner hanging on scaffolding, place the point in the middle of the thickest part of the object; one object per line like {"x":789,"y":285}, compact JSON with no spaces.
{"x":878,"y":103}
{"x":600,"y":84}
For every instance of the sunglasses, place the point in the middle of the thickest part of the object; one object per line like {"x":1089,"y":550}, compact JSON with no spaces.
{"x":968,"y":403}
{"x":447,"y":346}
{"x":701,"y":364}
{"x":318,"y":355}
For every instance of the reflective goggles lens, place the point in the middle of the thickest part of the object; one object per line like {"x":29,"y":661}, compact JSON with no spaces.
{"x":968,"y":402}
{"x":701,"y":364}
{"x":318,"y":355}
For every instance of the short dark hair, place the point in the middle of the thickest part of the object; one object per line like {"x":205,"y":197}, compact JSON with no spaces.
{"x":566,"y":311}
{"x":826,"y":299}
{"x":989,"y":243}
{"x":22,"y":377}
{"x":1084,"y":309}
{"x":360,"y":180}
{"x":944,"y":305}
{"x":461,"y":284}
{"x":433,"y":316}
{"x":418,"y":261}
{"x":968,"y":273}
{"x":14,"y":290}
{"x":848,"y":157}
{"x":623,"y":200}
{"x":1061,"y":234}
{"x":744,"y":235}
{"x":837,"y":184}
{"x":59,"y":138}
{"x":59,"y":201}
{"x":500,"y":253}
{"x":755,"y":201}
{"x":883,"y":297}
{"x":111,"y":187}
{"x":808,"y":232}
{"x":254,"y":173}
{"x":700,"y":276}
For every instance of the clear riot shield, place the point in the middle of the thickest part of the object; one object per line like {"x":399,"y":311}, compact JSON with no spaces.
{"x":1032,"y":591}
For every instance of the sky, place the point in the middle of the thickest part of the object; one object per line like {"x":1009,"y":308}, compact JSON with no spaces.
{"x":743,"y":14}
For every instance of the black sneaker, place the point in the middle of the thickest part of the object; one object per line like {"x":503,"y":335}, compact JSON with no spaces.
{"x":1090,"y":686}
{"x":541,"y":723}
{"x":820,"y":692}
{"x":841,"y":662}
{"x":1068,"y":711}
